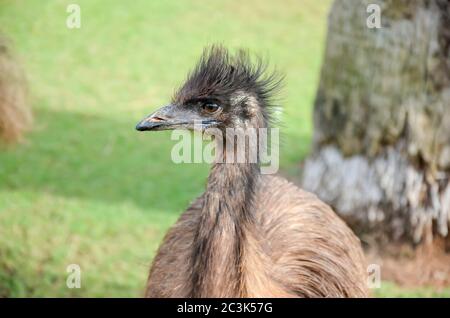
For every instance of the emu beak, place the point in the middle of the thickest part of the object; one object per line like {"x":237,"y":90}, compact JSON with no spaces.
{"x":162,"y":119}
{"x":174,"y":117}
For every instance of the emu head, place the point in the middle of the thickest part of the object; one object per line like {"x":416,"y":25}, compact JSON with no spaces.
{"x":223,"y":91}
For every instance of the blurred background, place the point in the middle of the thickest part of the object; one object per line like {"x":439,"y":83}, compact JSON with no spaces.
{"x":81,"y":185}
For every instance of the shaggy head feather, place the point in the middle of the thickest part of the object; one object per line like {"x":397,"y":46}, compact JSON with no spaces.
{"x":232,"y":80}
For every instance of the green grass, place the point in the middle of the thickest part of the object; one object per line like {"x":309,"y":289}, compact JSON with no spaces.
{"x":86,"y":188}
{"x":389,"y":289}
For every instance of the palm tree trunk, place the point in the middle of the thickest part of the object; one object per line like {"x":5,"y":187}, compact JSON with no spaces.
{"x":381,"y":149}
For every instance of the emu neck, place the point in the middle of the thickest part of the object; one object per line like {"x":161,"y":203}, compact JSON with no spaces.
{"x":226,"y":215}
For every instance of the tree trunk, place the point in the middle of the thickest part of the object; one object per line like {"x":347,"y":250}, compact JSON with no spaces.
{"x":381,"y":148}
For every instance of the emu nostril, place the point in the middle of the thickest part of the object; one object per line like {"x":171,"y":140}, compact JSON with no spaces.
{"x":156,"y":119}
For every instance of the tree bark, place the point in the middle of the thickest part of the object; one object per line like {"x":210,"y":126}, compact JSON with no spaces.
{"x":381,"y":146}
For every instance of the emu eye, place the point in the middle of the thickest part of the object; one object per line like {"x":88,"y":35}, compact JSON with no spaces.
{"x":210,"y":107}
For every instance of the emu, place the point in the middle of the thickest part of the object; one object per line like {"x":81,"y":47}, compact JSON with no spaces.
{"x":249,"y":234}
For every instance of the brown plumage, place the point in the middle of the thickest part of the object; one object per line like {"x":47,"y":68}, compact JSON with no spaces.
{"x":248,"y":234}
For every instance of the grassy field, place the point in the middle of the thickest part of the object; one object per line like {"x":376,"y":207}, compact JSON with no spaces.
{"x":85,"y":187}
